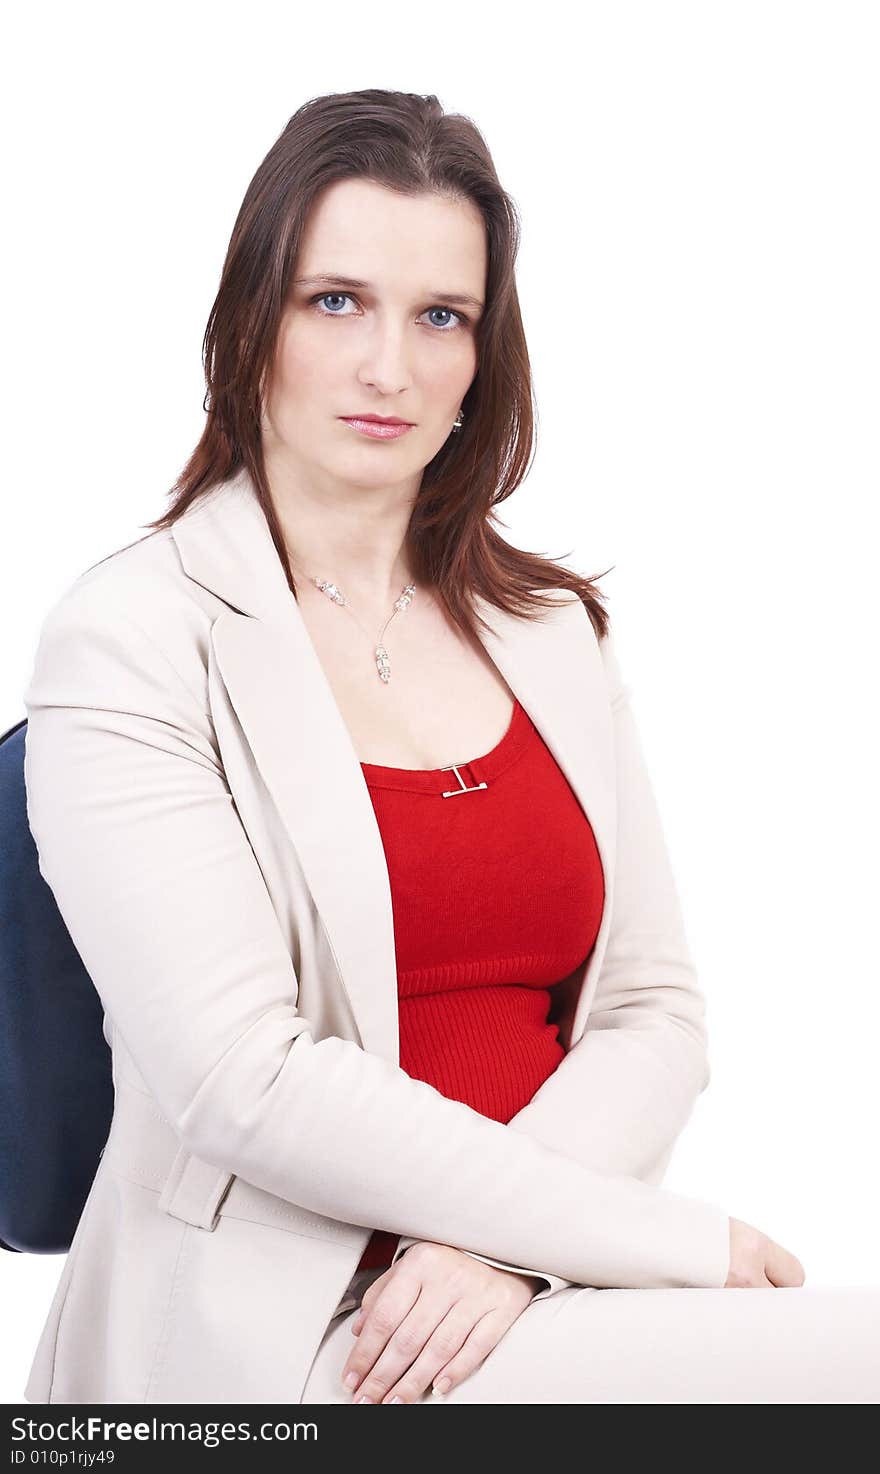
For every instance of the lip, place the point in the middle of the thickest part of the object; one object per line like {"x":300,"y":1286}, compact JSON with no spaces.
{"x":377,"y":427}
{"x":379,"y":419}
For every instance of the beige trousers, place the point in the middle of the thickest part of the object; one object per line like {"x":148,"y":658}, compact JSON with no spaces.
{"x":588,"y":1345}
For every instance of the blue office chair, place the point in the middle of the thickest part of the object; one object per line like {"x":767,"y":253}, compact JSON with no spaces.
{"x":56,"y":1079}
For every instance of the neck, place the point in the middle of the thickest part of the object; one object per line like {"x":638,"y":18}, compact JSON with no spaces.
{"x":359,"y":542}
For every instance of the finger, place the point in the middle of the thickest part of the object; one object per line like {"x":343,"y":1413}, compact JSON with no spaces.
{"x":781,"y":1267}
{"x":382,"y":1319}
{"x":407,"y":1343}
{"x":479,"y":1344}
{"x":441,"y":1349}
{"x":367,"y":1299}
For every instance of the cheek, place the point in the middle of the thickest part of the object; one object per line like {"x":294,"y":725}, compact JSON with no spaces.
{"x":449,"y":374}
{"x":303,"y":361}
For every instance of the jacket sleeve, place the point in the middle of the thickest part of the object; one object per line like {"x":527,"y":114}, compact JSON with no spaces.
{"x":621,"y":1096}
{"x":140,"y":842}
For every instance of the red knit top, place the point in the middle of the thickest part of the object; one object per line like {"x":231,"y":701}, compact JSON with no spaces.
{"x":497,"y":894}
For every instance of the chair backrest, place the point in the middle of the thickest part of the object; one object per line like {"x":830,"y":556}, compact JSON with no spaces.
{"x":56,"y":1073}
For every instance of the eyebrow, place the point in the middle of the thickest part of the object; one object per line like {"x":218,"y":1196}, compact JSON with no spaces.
{"x":325,"y":279}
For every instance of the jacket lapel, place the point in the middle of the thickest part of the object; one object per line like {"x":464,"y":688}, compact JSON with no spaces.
{"x":262,"y":652}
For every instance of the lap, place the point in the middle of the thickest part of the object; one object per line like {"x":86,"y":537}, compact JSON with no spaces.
{"x":588,"y":1345}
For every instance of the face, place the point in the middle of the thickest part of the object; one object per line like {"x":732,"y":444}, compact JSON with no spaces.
{"x":402,"y":343}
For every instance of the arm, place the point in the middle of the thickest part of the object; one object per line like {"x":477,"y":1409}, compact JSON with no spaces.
{"x":139,"y":839}
{"x":622,"y":1095}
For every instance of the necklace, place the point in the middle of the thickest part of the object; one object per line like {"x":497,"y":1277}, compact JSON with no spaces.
{"x":403,"y":601}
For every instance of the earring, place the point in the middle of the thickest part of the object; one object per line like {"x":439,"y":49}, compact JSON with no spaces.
{"x":458,"y":422}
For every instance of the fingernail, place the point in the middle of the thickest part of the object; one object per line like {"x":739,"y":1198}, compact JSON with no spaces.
{"x":397,"y":1399}
{"x":442,"y":1386}
{"x":365,"y":1399}
{"x":351,"y":1380}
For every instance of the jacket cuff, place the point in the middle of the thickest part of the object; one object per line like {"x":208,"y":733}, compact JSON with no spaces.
{"x":552,"y":1282}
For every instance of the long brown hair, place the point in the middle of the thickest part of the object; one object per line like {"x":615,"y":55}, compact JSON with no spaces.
{"x":407,"y":143}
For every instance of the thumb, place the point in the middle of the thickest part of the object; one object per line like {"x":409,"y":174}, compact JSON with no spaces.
{"x":781,"y":1267}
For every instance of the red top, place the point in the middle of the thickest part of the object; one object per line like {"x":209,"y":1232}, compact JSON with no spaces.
{"x":497,"y":894}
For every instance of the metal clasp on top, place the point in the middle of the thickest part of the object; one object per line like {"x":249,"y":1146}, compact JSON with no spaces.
{"x":452,"y":792}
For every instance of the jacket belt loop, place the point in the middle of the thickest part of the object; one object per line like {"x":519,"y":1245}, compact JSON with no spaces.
{"x":194,"y":1190}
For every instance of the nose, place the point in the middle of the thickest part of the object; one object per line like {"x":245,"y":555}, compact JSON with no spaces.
{"x":384,"y":365}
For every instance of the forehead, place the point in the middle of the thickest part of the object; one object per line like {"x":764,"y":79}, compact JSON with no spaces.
{"x":364,"y":229}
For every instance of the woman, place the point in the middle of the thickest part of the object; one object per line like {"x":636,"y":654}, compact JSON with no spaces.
{"x":342,"y":801}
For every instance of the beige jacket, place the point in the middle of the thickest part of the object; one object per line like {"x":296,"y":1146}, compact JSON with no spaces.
{"x":201,"y":817}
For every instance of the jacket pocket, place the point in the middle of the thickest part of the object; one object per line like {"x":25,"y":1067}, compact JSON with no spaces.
{"x":249,"y":1307}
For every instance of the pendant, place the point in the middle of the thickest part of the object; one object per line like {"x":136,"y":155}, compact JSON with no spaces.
{"x":383,"y":663}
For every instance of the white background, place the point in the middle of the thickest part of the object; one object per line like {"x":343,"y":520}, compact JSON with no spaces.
{"x":698,"y":189}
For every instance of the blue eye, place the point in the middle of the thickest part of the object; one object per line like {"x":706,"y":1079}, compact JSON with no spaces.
{"x":329,"y":296}
{"x":459,"y":317}
{"x":448,"y":311}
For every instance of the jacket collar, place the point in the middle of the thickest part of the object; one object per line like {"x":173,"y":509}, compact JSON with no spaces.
{"x":263,"y":655}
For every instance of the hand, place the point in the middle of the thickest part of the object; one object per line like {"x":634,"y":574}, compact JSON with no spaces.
{"x":756,"y":1261}
{"x":435,"y":1314}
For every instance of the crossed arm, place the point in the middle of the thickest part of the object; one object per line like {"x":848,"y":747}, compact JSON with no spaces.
{"x":619,"y":1099}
